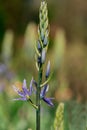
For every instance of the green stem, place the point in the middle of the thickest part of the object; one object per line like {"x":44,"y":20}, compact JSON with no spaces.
{"x":38,"y":98}
{"x":30,"y":101}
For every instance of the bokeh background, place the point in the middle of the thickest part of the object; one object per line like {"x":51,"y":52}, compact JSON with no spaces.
{"x":68,"y":55}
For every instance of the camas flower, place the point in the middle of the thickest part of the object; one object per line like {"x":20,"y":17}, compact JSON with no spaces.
{"x":24,"y":92}
{"x":45,"y":99}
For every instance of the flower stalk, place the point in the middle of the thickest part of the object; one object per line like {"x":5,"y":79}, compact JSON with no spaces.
{"x":41,"y":47}
{"x":38,"y":98}
{"x":41,"y":56}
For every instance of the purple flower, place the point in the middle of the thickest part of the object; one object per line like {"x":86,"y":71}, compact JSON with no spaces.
{"x":24,"y":92}
{"x":43,"y":93}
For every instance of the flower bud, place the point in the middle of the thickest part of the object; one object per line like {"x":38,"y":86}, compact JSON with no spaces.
{"x":42,"y":35}
{"x":43,"y":56}
{"x":48,"y":69}
{"x":45,"y":42}
{"x":39,"y":60}
{"x":39,"y":46}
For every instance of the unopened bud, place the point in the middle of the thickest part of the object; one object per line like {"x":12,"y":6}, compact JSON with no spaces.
{"x":42,"y":34}
{"x":39,"y":60}
{"x":43,"y":56}
{"x":48,"y":69}
{"x":39,"y":46}
{"x":45,"y":42}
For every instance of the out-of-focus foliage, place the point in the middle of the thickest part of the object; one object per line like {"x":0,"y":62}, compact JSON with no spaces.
{"x":76,"y":116}
{"x":7,"y":46}
{"x":29,"y":41}
{"x":59,"y":48}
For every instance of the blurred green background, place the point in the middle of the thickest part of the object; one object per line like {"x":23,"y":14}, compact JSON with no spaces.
{"x":68,"y":55}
